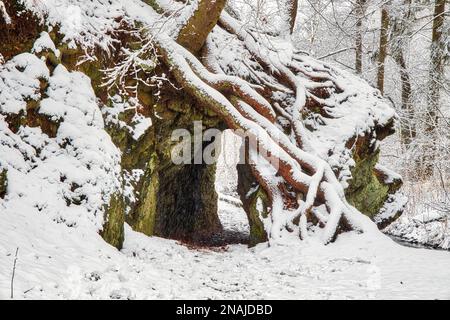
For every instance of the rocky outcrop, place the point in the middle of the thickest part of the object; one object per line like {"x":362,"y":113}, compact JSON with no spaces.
{"x":255,"y":202}
{"x":369,"y":187}
{"x":164,"y":199}
{"x":159,"y":197}
{"x":170,"y":200}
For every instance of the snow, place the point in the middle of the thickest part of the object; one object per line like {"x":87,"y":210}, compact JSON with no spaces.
{"x":394,"y":205}
{"x":75,"y":263}
{"x":428,"y":216}
{"x":44,"y":42}
{"x":60,"y":262}
{"x":4,"y":14}
{"x":429,"y":228}
{"x":20,"y":81}
{"x":390,"y":176}
{"x":139,"y":123}
{"x":69,"y":177}
{"x":426,"y":219}
{"x":84,"y":22}
{"x":92,"y":23}
{"x":68,"y":263}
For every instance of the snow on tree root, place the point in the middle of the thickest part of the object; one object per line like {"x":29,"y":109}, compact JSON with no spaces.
{"x":292,"y":159}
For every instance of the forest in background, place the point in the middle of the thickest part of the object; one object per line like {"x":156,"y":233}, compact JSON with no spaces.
{"x":401,"y":47}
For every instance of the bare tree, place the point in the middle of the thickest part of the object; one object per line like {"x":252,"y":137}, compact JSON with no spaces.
{"x":382,"y":50}
{"x":400,"y":31}
{"x":193,"y":34}
{"x":436,"y":76}
{"x":437,"y":64}
{"x":360,"y":8}
{"x":293,"y":14}
{"x":287,"y":9}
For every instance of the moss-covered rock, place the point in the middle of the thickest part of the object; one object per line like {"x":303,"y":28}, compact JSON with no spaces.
{"x":143,"y":214}
{"x":257,"y":209}
{"x":113,"y":229}
{"x":177,"y":201}
{"x":365,"y":191}
{"x":169,"y":200}
{"x":368,"y":189}
{"x":255,"y":203}
{"x":187,"y":202}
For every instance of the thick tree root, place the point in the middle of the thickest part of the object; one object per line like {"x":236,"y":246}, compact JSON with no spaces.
{"x":311,"y":178}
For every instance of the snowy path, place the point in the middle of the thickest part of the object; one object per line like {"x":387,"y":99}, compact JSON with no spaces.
{"x":60,"y":262}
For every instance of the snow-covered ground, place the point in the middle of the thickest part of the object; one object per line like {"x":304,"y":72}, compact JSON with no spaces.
{"x":55,"y":261}
{"x":426,"y":217}
{"x":426,"y":225}
{"x":71,"y":261}
{"x":58,"y":261}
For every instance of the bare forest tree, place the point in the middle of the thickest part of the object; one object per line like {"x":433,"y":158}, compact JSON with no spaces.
{"x":382,"y":51}
{"x":360,"y":9}
{"x":436,"y":78}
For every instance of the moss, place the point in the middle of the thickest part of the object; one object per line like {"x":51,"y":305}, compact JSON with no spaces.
{"x":179,"y":106}
{"x":3,"y":183}
{"x":146,"y":98}
{"x":119,"y":136}
{"x":253,"y":197}
{"x":257,"y":232}
{"x":370,"y":198}
{"x":139,"y":154}
{"x":143,"y":217}
{"x":209,"y":222}
{"x":366,"y":192}
{"x":113,"y":229}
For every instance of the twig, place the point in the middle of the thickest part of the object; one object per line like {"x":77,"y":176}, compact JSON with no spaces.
{"x":13,"y":274}
{"x":336,"y":52}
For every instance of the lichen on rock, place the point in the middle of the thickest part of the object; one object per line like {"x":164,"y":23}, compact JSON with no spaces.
{"x":368,"y":189}
{"x":113,"y":228}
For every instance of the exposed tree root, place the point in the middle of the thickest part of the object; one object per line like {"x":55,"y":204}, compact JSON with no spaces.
{"x":243,"y":108}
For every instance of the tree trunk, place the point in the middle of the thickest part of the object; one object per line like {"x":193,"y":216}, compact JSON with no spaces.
{"x":407,"y":129}
{"x":437,"y":64}
{"x":382,"y":53}
{"x":360,"y":9}
{"x":287,"y":11}
{"x":193,"y":34}
{"x":435,"y":83}
{"x":292,"y":14}
{"x":399,"y":37}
